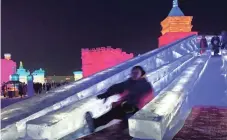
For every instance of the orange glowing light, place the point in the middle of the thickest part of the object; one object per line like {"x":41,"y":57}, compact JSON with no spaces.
{"x":176,"y":24}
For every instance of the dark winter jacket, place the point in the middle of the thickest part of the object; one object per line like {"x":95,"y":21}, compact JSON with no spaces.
{"x":217,"y":45}
{"x":134,"y":92}
{"x":203,"y":43}
{"x":224,"y":41}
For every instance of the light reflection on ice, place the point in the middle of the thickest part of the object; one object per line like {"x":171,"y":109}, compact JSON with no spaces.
{"x":166,"y":104}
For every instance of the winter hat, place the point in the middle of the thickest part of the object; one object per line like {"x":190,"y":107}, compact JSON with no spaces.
{"x":140,"y":68}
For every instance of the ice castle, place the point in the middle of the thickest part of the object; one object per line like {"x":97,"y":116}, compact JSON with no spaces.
{"x":23,"y":73}
{"x":38,"y":76}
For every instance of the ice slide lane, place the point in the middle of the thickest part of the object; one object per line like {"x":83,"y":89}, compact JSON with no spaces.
{"x":15,"y":116}
{"x":211,"y":89}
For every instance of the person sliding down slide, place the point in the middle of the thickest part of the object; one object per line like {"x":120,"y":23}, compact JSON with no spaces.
{"x":135,"y":93}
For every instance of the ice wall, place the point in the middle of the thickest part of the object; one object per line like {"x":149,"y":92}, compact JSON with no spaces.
{"x":16,"y":116}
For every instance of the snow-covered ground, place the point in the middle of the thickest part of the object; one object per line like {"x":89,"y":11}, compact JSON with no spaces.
{"x":9,"y":101}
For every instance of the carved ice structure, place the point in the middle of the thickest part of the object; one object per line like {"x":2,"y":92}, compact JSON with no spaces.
{"x":44,"y":127}
{"x":152,"y":121}
{"x":15,"y":117}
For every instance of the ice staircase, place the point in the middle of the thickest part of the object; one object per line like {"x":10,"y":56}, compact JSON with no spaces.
{"x":60,"y":112}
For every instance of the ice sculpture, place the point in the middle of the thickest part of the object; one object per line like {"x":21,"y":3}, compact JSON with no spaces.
{"x":152,"y":121}
{"x":175,"y":26}
{"x":44,"y":127}
{"x":98,"y":59}
{"x":8,"y":67}
{"x":23,"y":73}
{"x":38,"y":76}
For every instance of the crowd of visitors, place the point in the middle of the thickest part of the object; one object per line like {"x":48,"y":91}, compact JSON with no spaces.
{"x":218,"y":42}
{"x":20,"y":89}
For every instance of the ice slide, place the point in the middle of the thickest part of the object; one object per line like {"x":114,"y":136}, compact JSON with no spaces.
{"x":209,"y":90}
{"x":160,"y":62}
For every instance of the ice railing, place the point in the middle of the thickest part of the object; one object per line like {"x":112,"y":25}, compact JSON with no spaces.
{"x":35,"y":107}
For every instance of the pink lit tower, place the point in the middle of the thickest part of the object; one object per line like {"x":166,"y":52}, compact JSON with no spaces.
{"x":8,"y":68}
{"x":175,"y":26}
{"x":98,"y":59}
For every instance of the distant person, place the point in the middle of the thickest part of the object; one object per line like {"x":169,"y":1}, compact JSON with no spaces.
{"x":215,"y":42}
{"x":40,"y":88}
{"x":48,"y":86}
{"x":25,"y":89}
{"x":224,"y":40}
{"x":135,"y":93}
{"x":4,"y":89}
{"x":36,"y":88}
{"x":203,"y":44}
{"x":44,"y":86}
{"x":20,"y":88}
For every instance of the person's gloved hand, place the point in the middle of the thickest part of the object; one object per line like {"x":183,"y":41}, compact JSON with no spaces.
{"x":101,"y":96}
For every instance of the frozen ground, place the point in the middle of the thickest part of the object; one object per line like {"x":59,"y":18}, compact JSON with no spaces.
{"x":5,"y":101}
{"x":9,"y":101}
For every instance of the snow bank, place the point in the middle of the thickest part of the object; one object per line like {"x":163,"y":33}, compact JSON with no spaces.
{"x":152,"y":121}
{"x":18,"y":114}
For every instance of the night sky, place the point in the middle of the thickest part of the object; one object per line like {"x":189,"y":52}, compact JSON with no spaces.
{"x":50,"y":33}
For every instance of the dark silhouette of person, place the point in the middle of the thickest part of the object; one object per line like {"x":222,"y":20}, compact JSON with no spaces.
{"x":135,"y":93}
{"x":36,"y":88}
{"x":224,"y":40}
{"x":203,"y":44}
{"x":20,"y":88}
{"x":215,"y":42}
{"x":4,"y":89}
{"x":25,"y":86}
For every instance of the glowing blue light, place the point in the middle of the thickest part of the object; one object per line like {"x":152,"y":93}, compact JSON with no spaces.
{"x":30,"y":78}
{"x":39,"y":72}
{"x":21,"y":71}
{"x":14,"y":77}
{"x":77,"y":72}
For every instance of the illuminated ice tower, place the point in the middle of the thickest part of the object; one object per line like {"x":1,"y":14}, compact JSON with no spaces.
{"x":38,"y":76}
{"x":78,"y":75}
{"x":23,"y":73}
{"x":175,"y":26}
{"x":8,"y":67}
